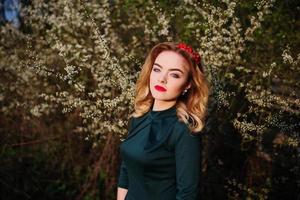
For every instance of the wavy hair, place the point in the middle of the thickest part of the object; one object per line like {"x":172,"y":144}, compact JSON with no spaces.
{"x":191,"y":107}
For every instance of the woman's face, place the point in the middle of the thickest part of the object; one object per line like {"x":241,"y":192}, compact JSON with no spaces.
{"x":169,"y":76}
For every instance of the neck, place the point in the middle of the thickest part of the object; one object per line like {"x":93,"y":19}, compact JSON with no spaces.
{"x":159,"y":105}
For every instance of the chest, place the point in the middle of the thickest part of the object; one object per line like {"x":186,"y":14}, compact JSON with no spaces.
{"x":157,"y":161}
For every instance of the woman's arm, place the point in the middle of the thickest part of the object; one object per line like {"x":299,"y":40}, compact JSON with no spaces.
{"x":123,"y":182}
{"x":121,"y":194}
{"x":188,"y":166}
{"x":123,"y":177}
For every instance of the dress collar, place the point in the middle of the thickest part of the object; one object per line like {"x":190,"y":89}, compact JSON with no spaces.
{"x":162,"y":113}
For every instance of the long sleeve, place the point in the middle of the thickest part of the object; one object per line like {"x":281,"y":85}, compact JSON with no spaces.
{"x":123,"y":177}
{"x":188,"y":166}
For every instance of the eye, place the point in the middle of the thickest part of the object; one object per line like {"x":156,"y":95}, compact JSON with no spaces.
{"x":175,"y":75}
{"x":156,"y":69}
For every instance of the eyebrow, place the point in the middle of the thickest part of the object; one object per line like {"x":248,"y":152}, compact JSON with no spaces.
{"x":172,"y":69}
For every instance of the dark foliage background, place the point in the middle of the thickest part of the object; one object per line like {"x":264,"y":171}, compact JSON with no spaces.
{"x":64,"y":108}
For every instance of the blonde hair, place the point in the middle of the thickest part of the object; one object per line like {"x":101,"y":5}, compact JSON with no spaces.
{"x":191,"y":107}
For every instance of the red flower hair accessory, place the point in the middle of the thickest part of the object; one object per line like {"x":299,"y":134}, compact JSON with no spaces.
{"x":189,"y":50}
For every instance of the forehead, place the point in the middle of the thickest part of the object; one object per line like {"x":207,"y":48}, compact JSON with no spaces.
{"x":171,"y":59}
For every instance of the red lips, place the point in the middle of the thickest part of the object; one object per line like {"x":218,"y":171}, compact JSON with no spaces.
{"x":160,"y":88}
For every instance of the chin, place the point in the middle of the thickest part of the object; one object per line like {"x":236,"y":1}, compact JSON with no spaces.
{"x":157,"y":94}
{"x":162,"y":97}
{"x":158,"y":97}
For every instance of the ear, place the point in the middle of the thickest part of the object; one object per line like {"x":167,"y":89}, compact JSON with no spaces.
{"x":188,"y":86}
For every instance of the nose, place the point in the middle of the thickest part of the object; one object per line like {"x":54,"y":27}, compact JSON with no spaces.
{"x":163,"y":78}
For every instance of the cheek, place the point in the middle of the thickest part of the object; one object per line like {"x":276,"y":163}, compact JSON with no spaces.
{"x":151,"y":78}
{"x":177,"y":86}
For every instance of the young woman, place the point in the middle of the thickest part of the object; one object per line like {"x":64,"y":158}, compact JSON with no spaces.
{"x":161,"y":156}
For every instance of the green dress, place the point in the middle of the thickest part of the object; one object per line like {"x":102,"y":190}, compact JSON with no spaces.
{"x":161,"y":158}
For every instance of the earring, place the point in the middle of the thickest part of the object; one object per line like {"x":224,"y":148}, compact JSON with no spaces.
{"x":184,"y":91}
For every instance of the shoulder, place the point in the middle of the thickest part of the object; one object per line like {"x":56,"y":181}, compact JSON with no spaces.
{"x":134,"y":121}
{"x":131,"y":123}
{"x":181,"y":127}
{"x":182,"y":133}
